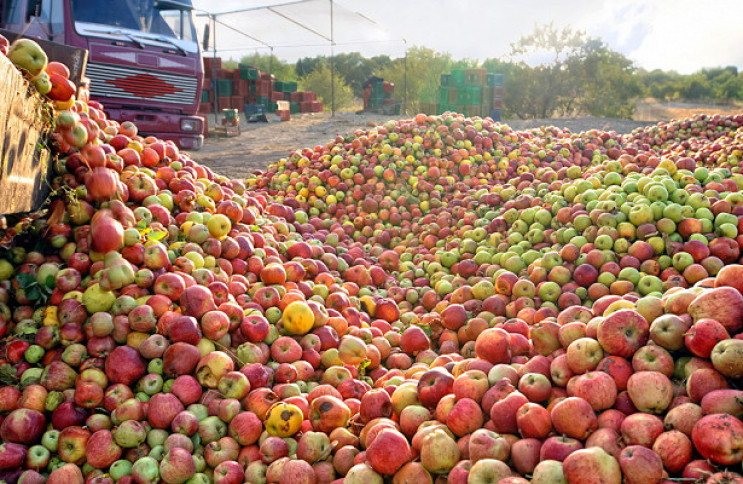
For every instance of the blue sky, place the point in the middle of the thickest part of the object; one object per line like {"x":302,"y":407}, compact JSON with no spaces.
{"x":681,"y":35}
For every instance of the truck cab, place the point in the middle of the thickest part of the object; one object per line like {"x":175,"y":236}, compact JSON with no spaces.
{"x":144,"y":60}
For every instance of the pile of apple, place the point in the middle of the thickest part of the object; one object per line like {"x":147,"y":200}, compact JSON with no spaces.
{"x":439,"y":299}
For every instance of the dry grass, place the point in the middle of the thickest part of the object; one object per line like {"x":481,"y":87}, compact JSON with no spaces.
{"x":652,"y":110}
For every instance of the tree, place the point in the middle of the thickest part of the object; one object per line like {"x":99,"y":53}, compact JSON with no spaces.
{"x":424,"y":69}
{"x":355,"y":69}
{"x":307,"y":65}
{"x":564,"y":72}
{"x":319,"y":81}
{"x":607,"y":82}
{"x":661,"y":85}
{"x":271,"y":64}
{"x":551,"y":50}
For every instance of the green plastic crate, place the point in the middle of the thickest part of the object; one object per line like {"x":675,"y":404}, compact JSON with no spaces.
{"x":264,"y":101}
{"x":272,"y":107}
{"x":446,"y":80}
{"x":224,"y":87}
{"x":469,"y":95}
{"x":444,"y":107}
{"x":457,"y":77}
{"x":377,"y":88}
{"x":204,"y":96}
{"x":284,"y":86}
{"x":249,"y":73}
{"x":293,"y":108}
{"x":443,"y":95}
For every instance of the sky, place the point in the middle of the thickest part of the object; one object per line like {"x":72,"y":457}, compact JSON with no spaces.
{"x":680,"y":35}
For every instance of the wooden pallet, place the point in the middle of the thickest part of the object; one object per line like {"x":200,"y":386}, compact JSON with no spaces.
{"x":24,"y":161}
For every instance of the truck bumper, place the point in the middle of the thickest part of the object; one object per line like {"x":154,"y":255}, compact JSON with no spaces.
{"x":185,"y":131}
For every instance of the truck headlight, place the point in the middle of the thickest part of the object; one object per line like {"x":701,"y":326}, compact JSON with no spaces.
{"x":190,"y":125}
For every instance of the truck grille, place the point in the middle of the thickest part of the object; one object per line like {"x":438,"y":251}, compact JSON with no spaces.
{"x":138,"y":84}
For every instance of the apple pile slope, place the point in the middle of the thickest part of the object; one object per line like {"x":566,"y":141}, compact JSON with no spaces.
{"x":436,"y":299}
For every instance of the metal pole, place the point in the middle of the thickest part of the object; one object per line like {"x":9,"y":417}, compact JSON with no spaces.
{"x":214,"y":73}
{"x":270,"y":62}
{"x":332,"y":63}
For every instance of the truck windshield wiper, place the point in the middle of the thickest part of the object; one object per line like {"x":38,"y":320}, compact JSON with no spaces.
{"x":180,"y":49}
{"x":121,"y":32}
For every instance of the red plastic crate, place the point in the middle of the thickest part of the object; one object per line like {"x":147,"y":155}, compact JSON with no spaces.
{"x":240,"y":87}
{"x":284,"y":114}
{"x":309,"y":96}
{"x":295,"y":97}
{"x":316,"y":107}
{"x":276,"y":96}
{"x":263,"y":89}
{"x":305,"y":106}
{"x":238,"y":102}
{"x":388,"y":87}
{"x":210,"y":61}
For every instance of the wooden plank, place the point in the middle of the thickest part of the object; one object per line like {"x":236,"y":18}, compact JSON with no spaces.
{"x":74,"y":58}
{"x":23,"y":163}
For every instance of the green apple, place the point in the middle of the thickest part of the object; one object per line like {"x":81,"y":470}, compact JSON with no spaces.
{"x":42,"y":83}
{"x":96,"y":299}
{"x":28,"y":56}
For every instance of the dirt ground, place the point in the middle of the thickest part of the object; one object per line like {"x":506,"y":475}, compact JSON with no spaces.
{"x":260,"y":144}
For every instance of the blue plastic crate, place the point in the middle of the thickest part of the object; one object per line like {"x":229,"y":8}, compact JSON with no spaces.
{"x":495,"y":115}
{"x":251,"y":109}
{"x":495,"y":79}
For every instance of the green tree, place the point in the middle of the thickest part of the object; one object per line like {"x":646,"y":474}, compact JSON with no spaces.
{"x":661,"y":85}
{"x":551,"y":85}
{"x":307,"y":65}
{"x":607,"y":84}
{"x":271,"y":64}
{"x":564,"y":73}
{"x":355,"y":69}
{"x":319,"y":81}
{"x":424,"y":68}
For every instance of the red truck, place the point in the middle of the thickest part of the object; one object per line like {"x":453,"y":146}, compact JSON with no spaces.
{"x":144,"y":59}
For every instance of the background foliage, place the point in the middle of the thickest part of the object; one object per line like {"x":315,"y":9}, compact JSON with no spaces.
{"x":548,"y":73}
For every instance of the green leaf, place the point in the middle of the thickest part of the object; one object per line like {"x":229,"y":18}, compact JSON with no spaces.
{"x":8,"y":375}
{"x":141,"y":225}
{"x":49,"y":281}
{"x":159,"y":235}
{"x":26,"y":280}
{"x":33,"y":293}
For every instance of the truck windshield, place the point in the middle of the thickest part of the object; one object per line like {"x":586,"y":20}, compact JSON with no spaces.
{"x":138,"y":15}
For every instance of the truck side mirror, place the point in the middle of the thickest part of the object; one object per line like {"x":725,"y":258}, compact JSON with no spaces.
{"x":205,"y":41}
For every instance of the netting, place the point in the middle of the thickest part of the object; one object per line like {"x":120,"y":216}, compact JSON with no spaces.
{"x":299,"y":29}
